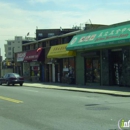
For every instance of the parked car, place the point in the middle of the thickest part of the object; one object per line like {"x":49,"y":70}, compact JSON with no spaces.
{"x":12,"y":78}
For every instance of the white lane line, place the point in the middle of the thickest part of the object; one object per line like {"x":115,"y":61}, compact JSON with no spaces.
{"x":30,"y":90}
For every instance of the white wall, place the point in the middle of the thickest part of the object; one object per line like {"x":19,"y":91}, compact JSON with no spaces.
{"x":16,"y":46}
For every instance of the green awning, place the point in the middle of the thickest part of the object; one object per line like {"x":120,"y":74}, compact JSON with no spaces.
{"x":110,"y":37}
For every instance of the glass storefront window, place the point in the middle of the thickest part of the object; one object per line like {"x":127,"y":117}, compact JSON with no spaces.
{"x":92,"y":70}
{"x":68,"y":68}
{"x":34,"y":70}
{"x":89,"y":71}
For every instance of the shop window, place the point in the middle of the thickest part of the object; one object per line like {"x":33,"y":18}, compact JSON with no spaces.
{"x":68,"y":70}
{"x":92,"y":73}
{"x":35,"y":70}
{"x":26,"y":70}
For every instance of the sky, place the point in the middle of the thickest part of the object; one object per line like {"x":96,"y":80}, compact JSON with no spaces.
{"x":18,"y":17}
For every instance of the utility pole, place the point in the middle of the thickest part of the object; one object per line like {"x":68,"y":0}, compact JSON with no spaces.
{"x":13,"y":59}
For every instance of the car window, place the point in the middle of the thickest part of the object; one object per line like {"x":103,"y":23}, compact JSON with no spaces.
{"x":5,"y":76}
{"x":8,"y":75}
{"x":11,"y":75}
{"x":16,"y":75}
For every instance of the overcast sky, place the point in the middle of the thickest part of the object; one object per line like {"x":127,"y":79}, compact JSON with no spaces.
{"x":18,"y":17}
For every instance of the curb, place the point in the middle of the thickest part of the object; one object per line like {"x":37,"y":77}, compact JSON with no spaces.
{"x":108,"y":92}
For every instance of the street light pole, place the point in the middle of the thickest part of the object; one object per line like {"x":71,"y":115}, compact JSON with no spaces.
{"x":13,"y":58}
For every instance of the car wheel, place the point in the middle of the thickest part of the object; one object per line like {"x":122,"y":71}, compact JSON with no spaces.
{"x":7,"y":83}
{"x":21,"y":84}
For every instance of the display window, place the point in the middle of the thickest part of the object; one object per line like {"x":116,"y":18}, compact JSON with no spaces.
{"x":68,"y":68}
{"x":35,"y":70}
{"x":92,"y":67}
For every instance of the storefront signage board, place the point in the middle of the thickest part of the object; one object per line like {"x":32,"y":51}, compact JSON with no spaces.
{"x":60,"y":51}
{"x":21,"y":56}
{"x":109,"y":36}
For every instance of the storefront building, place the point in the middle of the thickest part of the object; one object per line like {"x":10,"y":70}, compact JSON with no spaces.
{"x":31,"y":64}
{"x":103,"y":55}
{"x":62,"y":64}
{"x":19,"y":62}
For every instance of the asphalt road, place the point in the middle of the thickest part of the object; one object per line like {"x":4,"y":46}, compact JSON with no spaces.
{"x":26,"y":108}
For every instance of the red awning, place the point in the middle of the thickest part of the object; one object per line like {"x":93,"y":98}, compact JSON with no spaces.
{"x":33,"y":55}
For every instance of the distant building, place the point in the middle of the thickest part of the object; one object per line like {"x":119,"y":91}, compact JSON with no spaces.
{"x":0,"y":64}
{"x":14,"y":46}
{"x":46,"y":33}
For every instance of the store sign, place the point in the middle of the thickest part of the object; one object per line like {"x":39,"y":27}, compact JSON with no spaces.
{"x":59,"y":48}
{"x":106,"y":35}
{"x":20,"y":56}
{"x":109,"y":35}
{"x":32,"y":55}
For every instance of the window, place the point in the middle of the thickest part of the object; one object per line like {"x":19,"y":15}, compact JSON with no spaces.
{"x":65,"y":40}
{"x":50,"y":34}
{"x":9,"y":43}
{"x":92,"y":72}
{"x":43,"y":44}
{"x":9,"y":53}
{"x":36,"y":45}
{"x":27,"y":47}
{"x":54,"y":42}
{"x":40,"y":34}
{"x":9,"y":48}
{"x":68,"y":67}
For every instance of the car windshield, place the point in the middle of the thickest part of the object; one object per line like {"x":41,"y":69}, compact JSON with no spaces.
{"x":15,"y":75}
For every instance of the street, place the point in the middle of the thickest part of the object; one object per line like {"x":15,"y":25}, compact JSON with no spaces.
{"x":29,"y":108}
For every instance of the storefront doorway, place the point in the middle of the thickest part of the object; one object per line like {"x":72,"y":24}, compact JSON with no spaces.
{"x":115,"y":67}
{"x":92,"y":70}
{"x":57,"y":73}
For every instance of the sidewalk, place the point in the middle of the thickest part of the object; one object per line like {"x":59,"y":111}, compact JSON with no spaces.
{"x":110,"y":90}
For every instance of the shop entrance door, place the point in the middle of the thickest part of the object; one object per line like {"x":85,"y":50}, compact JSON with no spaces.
{"x":58,"y":70}
{"x":57,"y":73}
{"x":92,"y":70}
{"x":116,"y":67}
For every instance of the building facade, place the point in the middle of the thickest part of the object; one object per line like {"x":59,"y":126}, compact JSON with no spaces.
{"x":14,"y":46}
{"x":30,"y":67}
{"x":103,"y":55}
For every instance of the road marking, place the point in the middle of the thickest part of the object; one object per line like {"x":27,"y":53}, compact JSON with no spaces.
{"x":30,"y":90}
{"x":10,"y":99}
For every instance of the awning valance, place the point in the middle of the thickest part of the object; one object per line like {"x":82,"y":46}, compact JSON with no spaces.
{"x":110,"y":37}
{"x":59,"y":51}
{"x":33,"y":55}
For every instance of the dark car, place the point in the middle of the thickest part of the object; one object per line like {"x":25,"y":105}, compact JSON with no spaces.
{"x":12,"y":78}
